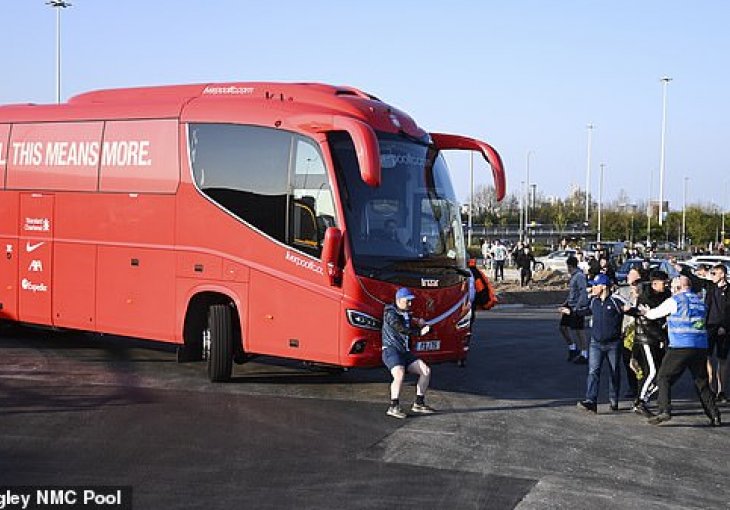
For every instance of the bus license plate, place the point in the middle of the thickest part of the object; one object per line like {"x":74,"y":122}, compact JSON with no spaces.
{"x":431,"y":345}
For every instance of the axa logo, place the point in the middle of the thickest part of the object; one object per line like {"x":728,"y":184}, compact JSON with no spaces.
{"x":428,"y":282}
{"x":36,"y":266}
{"x":29,"y":247}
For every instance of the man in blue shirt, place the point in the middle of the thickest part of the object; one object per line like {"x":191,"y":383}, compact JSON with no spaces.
{"x":605,"y":342}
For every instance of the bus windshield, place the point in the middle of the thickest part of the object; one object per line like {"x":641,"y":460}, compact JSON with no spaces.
{"x":411,"y":222}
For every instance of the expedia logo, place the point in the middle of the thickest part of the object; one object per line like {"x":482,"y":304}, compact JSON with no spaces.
{"x":426,"y":282}
{"x":26,"y":284}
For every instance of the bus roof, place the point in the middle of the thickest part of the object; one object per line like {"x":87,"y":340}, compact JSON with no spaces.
{"x":170,"y":101}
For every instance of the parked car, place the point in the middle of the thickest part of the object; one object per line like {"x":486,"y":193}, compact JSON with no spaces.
{"x":623,"y":271}
{"x":668,"y":246}
{"x":709,"y":259}
{"x":555,"y":260}
{"x":613,"y":248}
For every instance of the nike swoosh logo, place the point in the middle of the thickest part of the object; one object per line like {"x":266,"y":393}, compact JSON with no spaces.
{"x":33,"y":247}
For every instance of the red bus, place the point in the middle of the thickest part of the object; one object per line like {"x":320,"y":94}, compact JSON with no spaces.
{"x":233,"y":219}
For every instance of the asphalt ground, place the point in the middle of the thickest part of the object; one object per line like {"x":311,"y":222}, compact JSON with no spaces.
{"x":84,"y":409}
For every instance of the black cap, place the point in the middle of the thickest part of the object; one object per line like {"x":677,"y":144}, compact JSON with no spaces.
{"x":658,"y":275}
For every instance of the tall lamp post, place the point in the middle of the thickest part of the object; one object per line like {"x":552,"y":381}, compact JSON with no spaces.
{"x":724,"y":206}
{"x":58,"y":5}
{"x":522,"y":212}
{"x":471,"y":194}
{"x":649,"y":210}
{"x":684,"y":215}
{"x":600,"y":202}
{"x":665,"y":81}
{"x":588,"y":173}
{"x":527,"y":195}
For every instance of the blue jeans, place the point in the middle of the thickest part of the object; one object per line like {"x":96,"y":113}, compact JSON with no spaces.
{"x":597,"y":352}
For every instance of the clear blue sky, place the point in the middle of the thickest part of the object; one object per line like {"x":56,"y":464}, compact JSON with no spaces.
{"x":520,"y":74}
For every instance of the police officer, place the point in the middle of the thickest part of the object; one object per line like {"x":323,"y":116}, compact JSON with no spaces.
{"x":398,"y":326}
{"x":685,"y":312}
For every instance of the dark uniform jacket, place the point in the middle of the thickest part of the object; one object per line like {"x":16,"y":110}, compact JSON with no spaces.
{"x":608,"y":316}
{"x":650,"y":332}
{"x":717,"y":317}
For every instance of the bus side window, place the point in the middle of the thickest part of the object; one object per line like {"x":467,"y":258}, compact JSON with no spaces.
{"x":312,"y":208}
{"x":245,"y":170}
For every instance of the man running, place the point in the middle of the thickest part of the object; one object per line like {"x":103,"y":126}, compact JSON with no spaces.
{"x":571,"y":321}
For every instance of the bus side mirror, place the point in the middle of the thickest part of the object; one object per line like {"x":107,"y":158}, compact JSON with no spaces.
{"x":331,"y":255}
{"x":367,"y":148}
{"x":454,"y":142}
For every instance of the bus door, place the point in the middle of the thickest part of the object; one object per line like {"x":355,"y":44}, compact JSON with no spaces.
{"x":9,"y":256}
{"x":35,"y":248}
{"x":297,"y":317}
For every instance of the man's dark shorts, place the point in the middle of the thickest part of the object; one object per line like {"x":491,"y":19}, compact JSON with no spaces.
{"x":573,"y":321}
{"x":393,"y":358}
{"x":719,"y":343}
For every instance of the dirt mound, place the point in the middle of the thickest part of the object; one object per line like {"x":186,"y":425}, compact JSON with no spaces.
{"x":548,"y":287}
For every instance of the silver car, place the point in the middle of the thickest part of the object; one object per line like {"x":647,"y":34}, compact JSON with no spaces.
{"x":555,"y":260}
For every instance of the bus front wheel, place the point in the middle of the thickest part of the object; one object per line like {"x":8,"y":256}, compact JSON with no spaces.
{"x":218,"y":343}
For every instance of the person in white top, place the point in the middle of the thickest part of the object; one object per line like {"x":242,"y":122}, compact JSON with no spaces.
{"x":499,"y":254}
{"x":582,"y":262}
{"x":486,"y":253}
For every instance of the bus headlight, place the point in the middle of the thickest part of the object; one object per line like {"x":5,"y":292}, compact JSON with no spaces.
{"x":464,"y":321}
{"x":363,"y":320}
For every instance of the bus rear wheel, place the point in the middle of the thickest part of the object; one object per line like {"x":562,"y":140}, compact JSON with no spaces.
{"x":218,"y":343}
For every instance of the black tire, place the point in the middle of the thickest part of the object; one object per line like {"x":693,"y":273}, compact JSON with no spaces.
{"x":220,"y":359}
{"x":538,"y":266}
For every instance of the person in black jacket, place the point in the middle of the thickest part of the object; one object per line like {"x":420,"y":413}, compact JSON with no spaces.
{"x":606,"y":268}
{"x":717,"y":300}
{"x":594,"y":267}
{"x":698,"y":278}
{"x":650,"y":338}
{"x":524,"y":261}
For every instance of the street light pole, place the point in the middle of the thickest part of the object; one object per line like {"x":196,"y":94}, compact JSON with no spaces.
{"x":724,"y":207}
{"x":600,"y":202}
{"x":522,"y":211}
{"x":684,"y":215}
{"x":649,"y":211}
{"x":471,"y":194}
{"x":58,"y":5}
{"x":665,"y":81}
{"x":527,"y":195}
{"x":588,"y":173}
{"x":533,"y":194}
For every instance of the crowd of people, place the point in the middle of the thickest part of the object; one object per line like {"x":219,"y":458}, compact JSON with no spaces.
{"x":656,"y":327}
{"x":496,"y":255}
{"x":661,"y":323}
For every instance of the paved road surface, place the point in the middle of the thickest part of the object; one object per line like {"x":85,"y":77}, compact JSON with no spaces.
{"x":76,"y":409}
